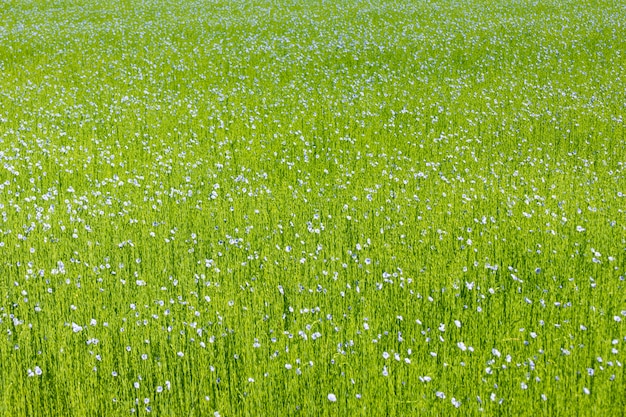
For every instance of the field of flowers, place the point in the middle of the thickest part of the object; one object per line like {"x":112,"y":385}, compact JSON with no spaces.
{"x":352,"y":207}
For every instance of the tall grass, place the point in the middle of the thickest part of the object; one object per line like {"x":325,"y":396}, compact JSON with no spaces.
{"x":312,"y":207}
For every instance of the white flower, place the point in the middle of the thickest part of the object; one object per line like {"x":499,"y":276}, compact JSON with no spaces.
{"x":76,"y":328}
{"x":332,"y":398}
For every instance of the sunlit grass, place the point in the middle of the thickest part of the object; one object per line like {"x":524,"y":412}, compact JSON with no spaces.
{"x":312,"y":208}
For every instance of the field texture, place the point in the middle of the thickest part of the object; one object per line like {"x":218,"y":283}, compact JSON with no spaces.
{"x":316,"y":208}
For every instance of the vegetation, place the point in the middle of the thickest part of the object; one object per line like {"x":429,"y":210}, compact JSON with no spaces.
{"x":312,"y":207}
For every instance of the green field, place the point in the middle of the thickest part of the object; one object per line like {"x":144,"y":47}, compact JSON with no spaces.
{"x":312,"y":208}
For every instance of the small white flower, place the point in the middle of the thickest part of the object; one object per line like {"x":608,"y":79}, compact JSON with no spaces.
{"x":332,"y":398}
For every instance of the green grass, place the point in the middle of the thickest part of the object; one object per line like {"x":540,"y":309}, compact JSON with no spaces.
{"x":243,"y":207}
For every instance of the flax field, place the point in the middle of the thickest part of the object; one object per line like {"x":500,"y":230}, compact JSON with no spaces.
{"x":312,"y":208}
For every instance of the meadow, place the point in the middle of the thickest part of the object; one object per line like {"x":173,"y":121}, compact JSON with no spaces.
{"x":311,"y":207}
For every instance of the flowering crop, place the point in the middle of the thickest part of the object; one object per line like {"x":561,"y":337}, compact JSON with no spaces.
{"x":320,"y":208}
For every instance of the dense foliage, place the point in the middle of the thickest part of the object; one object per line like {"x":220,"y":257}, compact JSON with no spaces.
{"x":312,"y":207}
